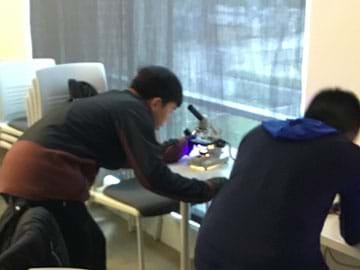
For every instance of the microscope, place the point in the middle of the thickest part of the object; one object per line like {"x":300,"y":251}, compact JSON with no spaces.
{"x":208,"y":146}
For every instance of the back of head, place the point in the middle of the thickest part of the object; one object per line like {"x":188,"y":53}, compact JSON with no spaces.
{"x":336,"y":107}
{"x":157,"y":81}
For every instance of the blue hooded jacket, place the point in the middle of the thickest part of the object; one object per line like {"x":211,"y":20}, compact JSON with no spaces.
{"x":282,"y":185}
{"x":298,"y":129}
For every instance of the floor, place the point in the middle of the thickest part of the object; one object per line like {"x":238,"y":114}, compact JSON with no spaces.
{"x":122,"y":245}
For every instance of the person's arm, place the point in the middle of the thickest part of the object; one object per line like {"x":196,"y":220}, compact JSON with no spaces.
{"x":350,"y":195}
{"x":136,"y":134}
{"x":350,"y":212}
{"x":174,"y":149}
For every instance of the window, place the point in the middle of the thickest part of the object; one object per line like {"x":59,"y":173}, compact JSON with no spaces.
{"x":239,"y":60}
{"x":241,"y":54}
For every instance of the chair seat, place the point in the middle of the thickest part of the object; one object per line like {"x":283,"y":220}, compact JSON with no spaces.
{"x":131,"y":192}
{"x":19,"y":123}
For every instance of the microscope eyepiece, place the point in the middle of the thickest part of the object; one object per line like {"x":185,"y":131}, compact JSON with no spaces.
{"x":195,"y":112}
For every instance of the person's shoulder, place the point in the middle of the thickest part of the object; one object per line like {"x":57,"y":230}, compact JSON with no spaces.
{"x":341,"y":147}
{"x":114,"y":93}
{"x":251,"y":135}
{"x":255,"y":131}
{"x":341,"y":141}
{"x":119,"y":100}
{"x":122,"y":103}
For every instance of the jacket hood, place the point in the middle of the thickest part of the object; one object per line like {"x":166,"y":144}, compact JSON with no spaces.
{"x":297,"y":129}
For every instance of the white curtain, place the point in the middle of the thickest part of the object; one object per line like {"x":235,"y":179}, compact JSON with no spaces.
{"x":235,"y":58}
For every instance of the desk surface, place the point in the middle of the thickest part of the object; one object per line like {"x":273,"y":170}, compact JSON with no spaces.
{"x":330,"y":237}
{"x":181,"y":167}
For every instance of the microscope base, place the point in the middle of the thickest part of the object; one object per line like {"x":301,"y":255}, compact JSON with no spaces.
{"x":206,"y":163}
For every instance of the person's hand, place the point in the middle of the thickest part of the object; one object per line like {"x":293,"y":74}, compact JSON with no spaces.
{"x":215,"y":184}
{"x":186,"y":144}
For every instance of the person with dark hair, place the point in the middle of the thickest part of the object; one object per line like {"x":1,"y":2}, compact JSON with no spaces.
{"x":285,"y":177}
{"x":56,"y":160}
{"x":147,"y":85}
{"x":338,"y":109}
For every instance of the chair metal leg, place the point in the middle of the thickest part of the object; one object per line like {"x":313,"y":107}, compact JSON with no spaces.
{"x":130,"y":222}
{"x":140,"y":243}
{"x":158,"y":229}
{"x":184,"y":236}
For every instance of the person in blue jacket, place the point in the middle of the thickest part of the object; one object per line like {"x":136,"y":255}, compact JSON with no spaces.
{"x":283,"y":183}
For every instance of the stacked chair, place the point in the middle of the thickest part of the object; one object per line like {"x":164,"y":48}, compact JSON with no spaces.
{"x":15,"y":80}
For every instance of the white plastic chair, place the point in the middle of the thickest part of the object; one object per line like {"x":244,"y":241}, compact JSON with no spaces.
{"x":33,"y":103}
{"x":130,"y":197}
{"x":30,"y":116}
{"x":51,"y":90}
{"x":15,"y":79}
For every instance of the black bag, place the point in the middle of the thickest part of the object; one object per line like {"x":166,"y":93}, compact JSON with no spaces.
{"x":30,"y":237}
{"x":80,"y":89}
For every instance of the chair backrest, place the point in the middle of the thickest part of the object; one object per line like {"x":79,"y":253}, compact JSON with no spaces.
{"x":52,"y":83}
{"x":33,"y":105}
{"x":15,"y":79}
{"x":29,"y":107}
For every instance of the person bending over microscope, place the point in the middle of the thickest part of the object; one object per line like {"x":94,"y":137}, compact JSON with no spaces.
{"x":283,"y":183}
{"x":55,"y":162}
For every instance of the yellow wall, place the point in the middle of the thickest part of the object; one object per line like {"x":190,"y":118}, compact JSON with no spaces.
{"x":332,"y":46}
{"x":15,"y":42}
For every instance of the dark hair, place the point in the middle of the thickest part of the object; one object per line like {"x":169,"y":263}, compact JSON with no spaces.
{"x":336,"y":107}
{"x":157,"y":81}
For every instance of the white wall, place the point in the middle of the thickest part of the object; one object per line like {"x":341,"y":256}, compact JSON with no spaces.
{"x":332,"y":46}
{"x":332,"y":58}
{"x":15,"y":42}
{"x":332,"y":53}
